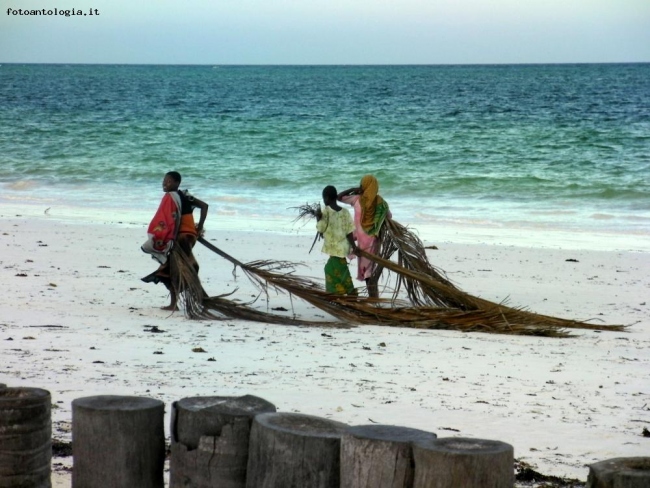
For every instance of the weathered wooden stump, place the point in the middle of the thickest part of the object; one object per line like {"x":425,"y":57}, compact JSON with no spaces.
{"x":452,"y":462}
{"x":118,"y":442}
{"x":631,"y":472}
{"x":291,"y":450}
{"x":379,"y":456}
{"x":25,"y":438}
{"x":210,"y":440}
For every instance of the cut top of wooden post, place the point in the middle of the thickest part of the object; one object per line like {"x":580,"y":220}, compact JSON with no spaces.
{"x":23,"y":396}
{"x":389,"y":433}
{"x":452,"y":462}
{"x":194,"y":417}
{"x":247,"y":405}
{"x":302,"y":425}
{"x":465,"y":445}
{"x":379,"y":456}
{"x":294,"y":450}
{"x":630,"y":472}
{"x":117,"y":403}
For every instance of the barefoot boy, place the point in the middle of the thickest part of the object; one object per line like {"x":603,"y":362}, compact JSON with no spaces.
{"x":173,"y":226}
{"x":336,"y":226}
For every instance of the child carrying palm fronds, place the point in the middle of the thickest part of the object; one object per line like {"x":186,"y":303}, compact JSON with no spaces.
{"x":336,"y":226}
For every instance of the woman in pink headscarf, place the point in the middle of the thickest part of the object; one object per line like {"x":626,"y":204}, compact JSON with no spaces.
{"x":370,"y":212}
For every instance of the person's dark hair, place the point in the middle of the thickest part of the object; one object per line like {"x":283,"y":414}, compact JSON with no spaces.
{"x":175,"y":175}
{"x":330,"y":192}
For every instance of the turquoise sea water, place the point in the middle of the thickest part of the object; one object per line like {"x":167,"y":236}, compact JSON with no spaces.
{"x":525,"y":148}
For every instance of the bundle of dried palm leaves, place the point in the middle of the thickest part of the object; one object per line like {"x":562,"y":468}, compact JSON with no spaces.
{"x":306,"y":211}
{"x":198,"y":305}
{"x":500,"y":314}
{"x":231,"y":309}
{"x":411,"y":256}
{"x":434,"y":301}
{"x":186,"y":281}
{"x":486,"y":317}
{"x":309,"y":211}
{"x":266,"y":274}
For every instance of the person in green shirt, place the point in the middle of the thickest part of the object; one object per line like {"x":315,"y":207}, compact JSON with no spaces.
{"x":335,"y":224}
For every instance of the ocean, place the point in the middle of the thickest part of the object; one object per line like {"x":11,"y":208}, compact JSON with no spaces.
{"x":515,"y":154}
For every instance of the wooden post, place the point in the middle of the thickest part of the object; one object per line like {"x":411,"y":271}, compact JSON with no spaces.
{"x":631,"y":472}
{"x":118,"y":442}
{"x":452,"y":462}
{"x":210,"y":440}
{"x":291,"y":450}
{"x":25,"y":438}
{"x":379,"y":456}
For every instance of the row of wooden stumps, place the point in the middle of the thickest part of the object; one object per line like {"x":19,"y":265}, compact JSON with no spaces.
{"x":243,"y":442}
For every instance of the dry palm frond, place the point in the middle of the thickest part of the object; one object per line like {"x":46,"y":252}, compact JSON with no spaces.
{"x":367,"y":311}
{"x":259,"y":272}
{"x":465,"y":321}
{"x":308,"y":210}
{"x":425,"y":284}
{"x":412,"y":256}
{"x":486,"y":316}
{"x":509,"y":315}
{"x":264,"y":274}
{"x":230,"y":309}
{"x":428,"y":288}
{"x":185,"y":280}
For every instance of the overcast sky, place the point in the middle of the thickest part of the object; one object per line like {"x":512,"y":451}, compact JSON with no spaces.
{"x":327,"y":31}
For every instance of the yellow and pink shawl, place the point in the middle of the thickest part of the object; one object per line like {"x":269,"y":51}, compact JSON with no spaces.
{"x":374,"y":208}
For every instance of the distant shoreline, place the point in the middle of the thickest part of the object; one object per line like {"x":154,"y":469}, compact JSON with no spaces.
{"x":430,"y":233}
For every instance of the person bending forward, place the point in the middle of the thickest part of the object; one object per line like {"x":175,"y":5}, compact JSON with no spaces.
{"x":370,"y":212}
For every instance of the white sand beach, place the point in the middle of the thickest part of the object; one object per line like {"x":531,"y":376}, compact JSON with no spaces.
{"x":76,"y":320}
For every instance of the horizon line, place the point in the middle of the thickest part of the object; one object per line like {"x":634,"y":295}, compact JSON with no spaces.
{"x":325,"y":64}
